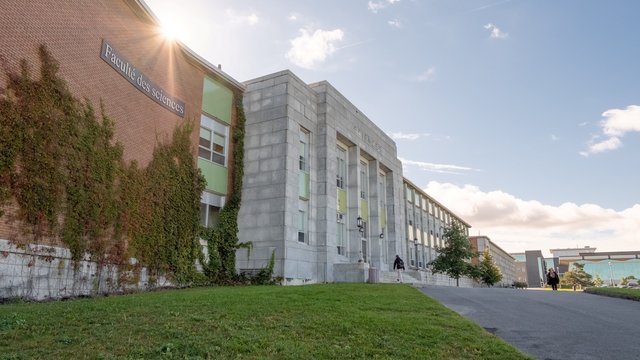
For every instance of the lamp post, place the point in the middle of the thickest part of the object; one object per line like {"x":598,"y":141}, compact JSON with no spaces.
{"x":360,"y":225}
{"x":611,"y":274}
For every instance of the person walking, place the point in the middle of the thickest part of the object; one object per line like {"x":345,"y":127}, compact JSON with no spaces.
{"x":398,"y":265}
{"x":553,"y":279}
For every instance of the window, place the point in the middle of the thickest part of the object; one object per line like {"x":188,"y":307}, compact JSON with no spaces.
{"x":364,"y":251}
{"x":213,"y":143}
{"x":412,"y":253}
{"x":303,"y":211}
{"x":382,"y":193}
{"x":341,"y":235}
{"x":363,"y":230}
{"x":304,"y":150}
{"x":364,"y":181}
{"x":341,"y":171}
{"x":210,"y":205}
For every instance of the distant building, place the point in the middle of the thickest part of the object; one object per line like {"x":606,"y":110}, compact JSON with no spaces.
{"x":534,"y":265}
{"x":567,"y":254}
{"x":520,"y":267}
{"x":571,"y":251}
{"x":505,"y":262}
{"x":611,"y":267}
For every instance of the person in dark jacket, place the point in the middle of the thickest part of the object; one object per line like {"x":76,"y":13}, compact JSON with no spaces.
{"x":398,"y":265}
{"x":553,"y":279}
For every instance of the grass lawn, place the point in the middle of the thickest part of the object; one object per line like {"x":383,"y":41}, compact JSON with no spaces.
{"x":336,"y":321}
{"x":632,"y":294}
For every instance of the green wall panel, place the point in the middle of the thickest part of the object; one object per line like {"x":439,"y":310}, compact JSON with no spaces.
{"x":303,"y":185}
{"x":364,"y":209}
{"x":217,"y":100}
{"x":215,"y":175}
{"x":342,"y":201}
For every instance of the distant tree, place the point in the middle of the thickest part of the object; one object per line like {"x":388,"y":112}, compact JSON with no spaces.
{"x":489,"y":272}
{"x":576,"y":277}
{"x":453,"y":259}
{"x":598,"y":281}
{"x":625,"y":280}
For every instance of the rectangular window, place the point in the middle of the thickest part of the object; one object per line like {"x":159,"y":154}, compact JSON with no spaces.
{"x":304,"y":150}
{"x":364,"y":181}
{"x":213,"y":143}
{"x":382,"y":196}
{"x":210,"y":205}
{"x":341,"y":171}
{"x":341,"y":235}
{"x":303,"y":214}
{"x":412,"y":253}
{"x":364,"y":251}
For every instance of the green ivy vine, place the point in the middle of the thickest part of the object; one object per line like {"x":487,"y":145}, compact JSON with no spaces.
{"x":222,"y":241}
{"x":60,"y":166}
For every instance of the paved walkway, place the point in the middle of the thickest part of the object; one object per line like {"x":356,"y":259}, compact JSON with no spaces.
{"x":551,"y":324}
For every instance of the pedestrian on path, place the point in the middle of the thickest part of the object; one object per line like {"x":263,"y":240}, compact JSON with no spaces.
{"x":398,"y":265}
{"x":553,"y":279}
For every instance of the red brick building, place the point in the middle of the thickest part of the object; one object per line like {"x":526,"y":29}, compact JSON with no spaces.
{"x":112,"y":52}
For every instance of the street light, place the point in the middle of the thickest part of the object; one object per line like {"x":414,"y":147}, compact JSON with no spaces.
{"x":611,"y":274}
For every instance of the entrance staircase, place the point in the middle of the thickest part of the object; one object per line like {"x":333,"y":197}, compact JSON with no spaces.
{"x":422,"y":278}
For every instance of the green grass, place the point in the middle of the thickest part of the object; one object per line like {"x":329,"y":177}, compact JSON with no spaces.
{"x":337,"y":321}
{"x":632,"y":294}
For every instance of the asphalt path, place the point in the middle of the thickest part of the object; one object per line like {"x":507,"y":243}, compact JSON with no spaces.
{"x":551,"y":324}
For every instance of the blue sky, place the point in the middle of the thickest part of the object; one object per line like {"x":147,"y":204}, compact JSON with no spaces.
{"x":521,"y":116}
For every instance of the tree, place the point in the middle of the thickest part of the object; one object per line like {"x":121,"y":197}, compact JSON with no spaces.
{"x":598,"y":281}
{"x":576,"y":277}
{"x":489,"y":273}
{"x":453,"y":258}
{"x":625,"y":280}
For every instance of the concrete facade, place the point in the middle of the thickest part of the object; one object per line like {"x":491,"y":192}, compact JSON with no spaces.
{"x":505,"y":262}
{"x":425,"y":222}
{"x":536,"y":268}
{"x":296,"y":205}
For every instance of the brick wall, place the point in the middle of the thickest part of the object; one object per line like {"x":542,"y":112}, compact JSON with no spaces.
{"x":73,"y":32}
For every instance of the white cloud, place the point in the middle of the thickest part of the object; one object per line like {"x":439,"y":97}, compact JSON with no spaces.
{"x":411,"y":136}
{"x":437,"y":168}
{"x":293,"y":17}
{"x":496,"y":33}
{"x":427,"y":75}
{"x":554,"y":137}
{"x":517,"y":225}
{"x":310,"y":49}
{"x":616,"y":123}
{"x":375,"y":6}
{"x":609,"y":144}
{"x":235,"y":17}
{"x":395,"y":23}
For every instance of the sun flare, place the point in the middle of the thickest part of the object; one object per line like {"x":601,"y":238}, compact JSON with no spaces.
{"x":173,"y":30}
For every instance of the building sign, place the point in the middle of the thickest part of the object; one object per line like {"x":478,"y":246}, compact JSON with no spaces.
{"x":368,"y":139}
{"x":112,"y":57}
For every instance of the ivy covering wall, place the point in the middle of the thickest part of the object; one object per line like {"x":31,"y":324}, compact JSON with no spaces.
{"x":222,"y":241}
{"x":62,"y":169}
{"x":60,"y":166}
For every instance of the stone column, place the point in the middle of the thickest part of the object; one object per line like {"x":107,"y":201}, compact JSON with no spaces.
{"x":353,"y":200}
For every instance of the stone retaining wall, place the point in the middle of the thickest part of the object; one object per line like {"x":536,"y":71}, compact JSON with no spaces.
{"x":38,"y":272}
